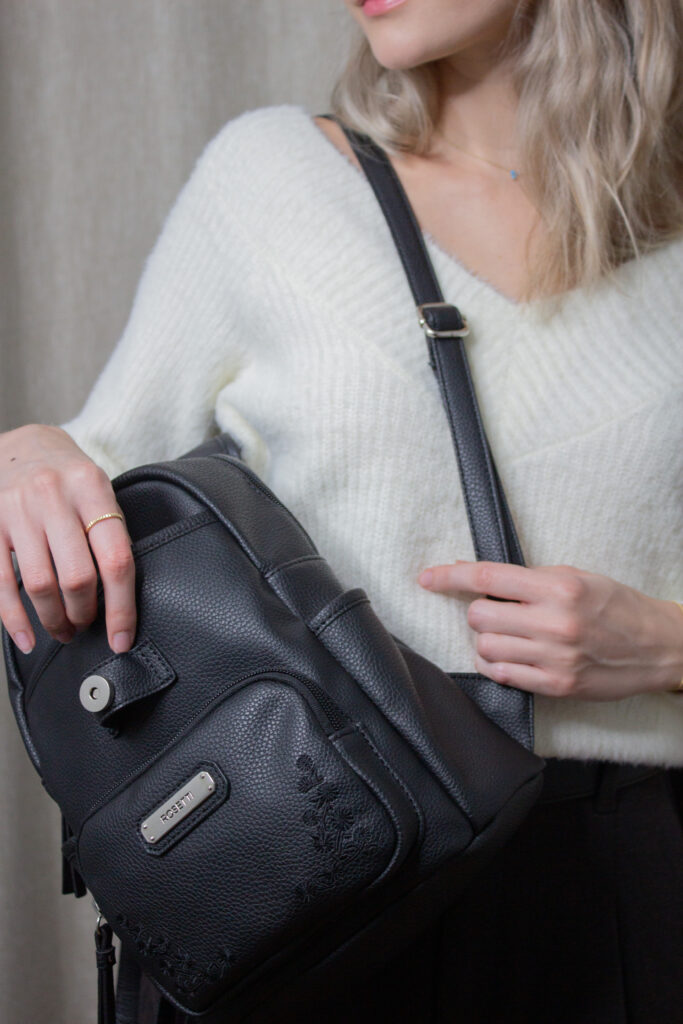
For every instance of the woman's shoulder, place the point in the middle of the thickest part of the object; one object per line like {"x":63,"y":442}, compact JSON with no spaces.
{"x":258,"y":126}
{"x":272,"y":142}
{"x":270,"y":171}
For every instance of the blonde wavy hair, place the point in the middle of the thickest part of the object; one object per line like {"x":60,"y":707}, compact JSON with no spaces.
{"x":600,"y":127}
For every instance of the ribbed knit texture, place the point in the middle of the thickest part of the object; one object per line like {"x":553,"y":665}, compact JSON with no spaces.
{"x":274,"y":307}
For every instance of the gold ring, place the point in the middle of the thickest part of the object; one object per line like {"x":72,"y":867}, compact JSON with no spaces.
{"x":107,"y":515}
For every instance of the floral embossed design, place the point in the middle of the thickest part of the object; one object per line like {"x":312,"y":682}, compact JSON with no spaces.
{"x":186,"y":975}
{"x":308,"y":775}
{"x":332,"y":828}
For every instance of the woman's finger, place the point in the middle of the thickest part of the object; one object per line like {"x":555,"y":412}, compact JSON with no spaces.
{"x":523,"y":620}
{"x":501,"y":647}
{"x":524,"y":677}
{"x":92,"y":495}
{"x":12,"y":611}
{"x":39,"y":579}
{"x":111,"y":548}
{"x":76,"y":572}
{"x":498,"y":579}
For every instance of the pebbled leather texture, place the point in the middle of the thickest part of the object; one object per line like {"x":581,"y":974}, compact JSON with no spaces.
{"x":354,"y":775}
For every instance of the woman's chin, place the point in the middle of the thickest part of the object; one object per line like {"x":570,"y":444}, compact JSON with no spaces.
{"x":401,"y":54}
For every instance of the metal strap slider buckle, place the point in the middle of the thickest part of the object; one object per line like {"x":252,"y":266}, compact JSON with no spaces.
{"x":445,"y":331}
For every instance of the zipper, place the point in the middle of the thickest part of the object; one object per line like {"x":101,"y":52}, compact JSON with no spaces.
{"x":337,"y":718}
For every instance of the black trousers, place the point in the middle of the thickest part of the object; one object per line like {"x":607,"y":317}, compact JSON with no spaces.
{"x":578,"y":920}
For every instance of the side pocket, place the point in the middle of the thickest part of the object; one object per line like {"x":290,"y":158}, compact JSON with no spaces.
{"x":360,"y":752}
{"x":478,"y":765}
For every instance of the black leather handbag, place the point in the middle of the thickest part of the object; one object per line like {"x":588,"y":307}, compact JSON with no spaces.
{"x":270,"y":790}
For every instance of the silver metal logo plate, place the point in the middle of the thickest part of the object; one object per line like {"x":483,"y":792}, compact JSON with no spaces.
{"x":177,"y":807}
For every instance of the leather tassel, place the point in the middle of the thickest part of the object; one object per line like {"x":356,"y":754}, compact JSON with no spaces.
{"x":105,"y":956}
{"x":67,"y":877}
{"x":71,"y":879}
{"x":67,"y":885}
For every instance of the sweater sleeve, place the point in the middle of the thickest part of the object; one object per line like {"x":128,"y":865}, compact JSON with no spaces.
{"x":183,"y":342}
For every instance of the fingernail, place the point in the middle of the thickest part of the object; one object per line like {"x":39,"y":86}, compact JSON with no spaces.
{"x":425,"y":578}
{"x":65,"y":637}
{"x":23,"y":642}
{"x":120,"y":642}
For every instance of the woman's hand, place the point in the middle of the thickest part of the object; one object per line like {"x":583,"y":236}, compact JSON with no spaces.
{"x":564,"y":632}
{"x":49,"y":491}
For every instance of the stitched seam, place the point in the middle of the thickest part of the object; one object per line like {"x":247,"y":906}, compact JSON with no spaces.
{"x":396,"y":777}
{"x":260,"y":489}
{"x":386,"y":804}
{"x":464,"y":489}
{"x":487,"y":478}
{"x":17,"y":688}
{"x":197,"y":491}
{"x":173,"y":531}
{"x":292,"y":561}
{"x":149,"y":657}
{"x":320,"y":627}
{"x":399,"y":729}
{"x":34,"y":681}
{"x":422,"y":883}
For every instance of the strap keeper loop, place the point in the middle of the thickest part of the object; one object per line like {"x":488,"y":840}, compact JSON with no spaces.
{"x":442,"y":320}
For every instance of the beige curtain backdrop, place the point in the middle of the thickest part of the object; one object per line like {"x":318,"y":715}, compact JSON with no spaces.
{"x":104,"y":107}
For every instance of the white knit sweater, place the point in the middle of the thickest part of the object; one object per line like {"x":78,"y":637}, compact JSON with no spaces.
{"x":274,"y":307}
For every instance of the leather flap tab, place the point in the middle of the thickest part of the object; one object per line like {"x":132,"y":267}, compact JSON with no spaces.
{"x":124,"y":679}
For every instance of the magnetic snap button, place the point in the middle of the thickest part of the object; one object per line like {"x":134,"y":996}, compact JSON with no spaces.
{"x":96,"y":693}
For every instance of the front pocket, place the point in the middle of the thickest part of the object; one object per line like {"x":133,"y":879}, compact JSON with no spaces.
{"x":289,"y":834}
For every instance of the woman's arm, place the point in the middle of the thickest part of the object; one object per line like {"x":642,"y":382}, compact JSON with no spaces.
{"x":153,"y":400}
{"x":182,"y":344}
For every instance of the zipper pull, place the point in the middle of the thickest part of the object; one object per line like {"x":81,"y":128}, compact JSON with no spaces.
{"x":105,"y":956}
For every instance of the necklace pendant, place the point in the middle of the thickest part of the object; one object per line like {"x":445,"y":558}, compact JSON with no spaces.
{"x":514,"y":175}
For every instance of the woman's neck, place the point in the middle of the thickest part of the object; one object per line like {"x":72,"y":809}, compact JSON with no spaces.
{"x":478,"y":107}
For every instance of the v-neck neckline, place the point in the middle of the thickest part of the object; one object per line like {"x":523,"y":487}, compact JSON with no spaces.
{"x":438,"y":254}
{"x":468,"y":284}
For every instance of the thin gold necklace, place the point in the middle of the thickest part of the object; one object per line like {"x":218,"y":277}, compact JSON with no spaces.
{"x":508,"y":170}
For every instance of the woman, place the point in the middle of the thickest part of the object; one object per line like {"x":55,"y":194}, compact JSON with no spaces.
{"x":539,"y":144}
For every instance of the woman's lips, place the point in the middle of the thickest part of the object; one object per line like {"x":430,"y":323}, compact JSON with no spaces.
{"x":372,"y":8}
